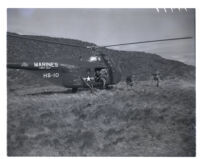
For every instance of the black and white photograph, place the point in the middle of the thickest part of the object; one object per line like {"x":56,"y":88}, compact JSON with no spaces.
{"x":110,"y":82}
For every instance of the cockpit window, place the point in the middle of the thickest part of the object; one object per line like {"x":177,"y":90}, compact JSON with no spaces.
{"x":94,"y":59}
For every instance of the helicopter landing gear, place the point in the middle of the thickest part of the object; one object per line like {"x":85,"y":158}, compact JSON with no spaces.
{"x":108,"y":87}
{"x":74,"y":90}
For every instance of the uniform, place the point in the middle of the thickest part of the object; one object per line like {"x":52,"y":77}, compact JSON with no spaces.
{"x":129,"y":81}
{"x":156,"y":77}
{"x":103,"y":76}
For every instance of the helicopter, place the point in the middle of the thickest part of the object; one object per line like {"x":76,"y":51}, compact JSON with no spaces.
{"x":85,"y":75}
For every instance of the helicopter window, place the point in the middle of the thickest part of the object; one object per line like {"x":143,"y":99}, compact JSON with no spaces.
{"x":94,"y":59}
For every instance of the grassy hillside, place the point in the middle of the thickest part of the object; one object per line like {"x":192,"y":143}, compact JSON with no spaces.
{"x":139,"y":63}
{"x":144,"y":121}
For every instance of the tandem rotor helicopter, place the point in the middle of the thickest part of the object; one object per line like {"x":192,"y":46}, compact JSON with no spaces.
{"x":99,"y":72}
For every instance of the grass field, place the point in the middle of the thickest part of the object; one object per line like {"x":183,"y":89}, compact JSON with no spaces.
{"x":139,"y":121}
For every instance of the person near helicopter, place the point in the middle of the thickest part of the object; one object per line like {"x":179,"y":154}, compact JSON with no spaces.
{"x":101,"y":76}
{"x":156,"y":78}
{"x":97,"y":75}
{"x":130,"y":80}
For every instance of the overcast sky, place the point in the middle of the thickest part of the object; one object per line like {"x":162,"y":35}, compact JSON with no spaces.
{"x":113,"y":26}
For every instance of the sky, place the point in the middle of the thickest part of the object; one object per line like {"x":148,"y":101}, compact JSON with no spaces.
{"x":113,"y":26}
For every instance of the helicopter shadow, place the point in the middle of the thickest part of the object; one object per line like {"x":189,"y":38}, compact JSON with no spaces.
{"x":52,"y":92}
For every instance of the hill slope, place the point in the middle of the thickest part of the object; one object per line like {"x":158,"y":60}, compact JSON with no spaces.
{"x":139,"y":63}
{"x":144,"y":121}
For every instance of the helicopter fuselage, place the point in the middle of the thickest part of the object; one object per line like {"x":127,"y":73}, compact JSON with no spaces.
{"x":71,"y":76}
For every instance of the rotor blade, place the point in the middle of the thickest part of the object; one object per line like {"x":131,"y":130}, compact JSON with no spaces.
{"x":149,"y":41}
{"x":45,"y":41}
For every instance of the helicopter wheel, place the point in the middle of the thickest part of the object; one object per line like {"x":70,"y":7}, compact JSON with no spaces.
{"x":74,"y":90}
{"x":108,"y":87}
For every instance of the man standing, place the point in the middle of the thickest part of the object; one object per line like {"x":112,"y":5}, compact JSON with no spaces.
{"x":103,"y":77}
{"x":156,"y":77}
{"x":130,"y":80}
